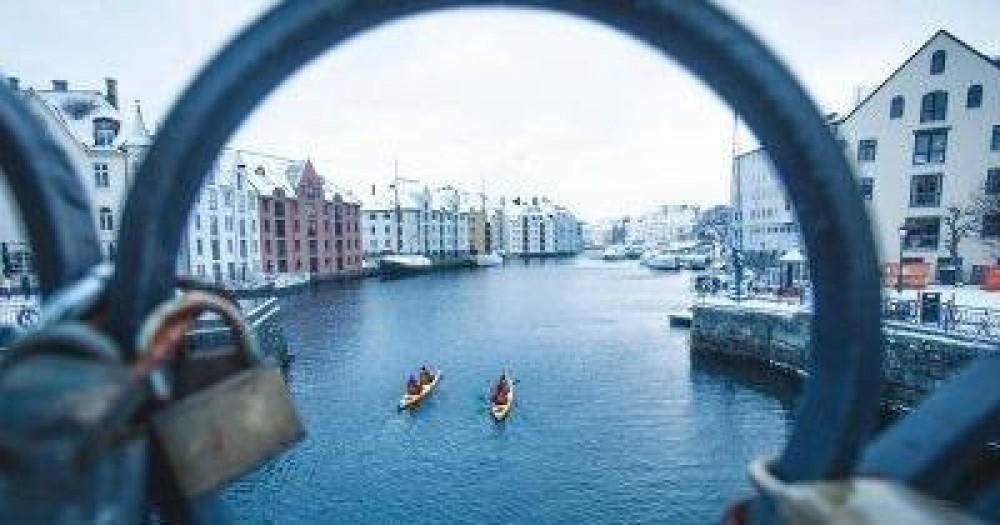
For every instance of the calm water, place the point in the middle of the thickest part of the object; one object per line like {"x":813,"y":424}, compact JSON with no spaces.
{"x":612,"y":422}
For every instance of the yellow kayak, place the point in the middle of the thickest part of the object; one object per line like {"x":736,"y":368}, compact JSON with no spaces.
{"x":412,"y":400}
{"x":500,"y":411}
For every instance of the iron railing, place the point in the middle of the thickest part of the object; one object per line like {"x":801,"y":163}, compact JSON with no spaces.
{"x":978,"y":321}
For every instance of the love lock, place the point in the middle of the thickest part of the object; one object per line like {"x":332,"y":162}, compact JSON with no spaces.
{"x":225,"y":429}
{"x":857,"y":501}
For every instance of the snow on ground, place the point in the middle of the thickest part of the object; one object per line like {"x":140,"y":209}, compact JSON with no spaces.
{"x":963,"y":295}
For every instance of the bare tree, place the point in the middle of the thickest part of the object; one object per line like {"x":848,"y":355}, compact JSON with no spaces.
{"x":965,"y":220}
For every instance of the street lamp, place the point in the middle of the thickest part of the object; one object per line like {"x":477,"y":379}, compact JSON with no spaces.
{"x":899,"y":270}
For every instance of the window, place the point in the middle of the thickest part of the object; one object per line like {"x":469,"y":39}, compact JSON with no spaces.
{"x":197,"y":221}
{"x":993,"y":181}
{"x":104,"y":131}
{"x":934,"y":106}
{"x":896,"y":107}
{"x":282,"y":248}
{"x":937,"y":62}
{"x":867,"y":188}
{"x":199,"y":246}
{"x":243,"y":248}
{"x":101,"y":176}
{"x":216,"y":251}
{"x":279,"y":209}
{"x":212,"y":199}
{"x":974,"y":97}
{"x":279,"y":228}
{"x":867,"y":149}
{"x":925,"y":190}
{"x":929,"y":146}
{"x":995,"y":139}
{"x":106,"y":219}
{"x":214,"y":226}
{"x":922,"y":233}
{"x":267,"y":247}
{"x":991,"y":225}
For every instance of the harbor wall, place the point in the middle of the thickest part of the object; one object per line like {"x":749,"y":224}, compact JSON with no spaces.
{"x":916,"y":360}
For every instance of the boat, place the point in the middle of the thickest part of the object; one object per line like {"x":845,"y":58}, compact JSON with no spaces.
{"x":662,"y":261}
{"x":411,"y":401}
{"x":614,"y":252}
{"x":390,"y":266}
{"x":500,"y":412}
{"x":489,"y":259}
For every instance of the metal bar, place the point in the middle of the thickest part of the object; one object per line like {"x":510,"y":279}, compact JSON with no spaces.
{"x":52,"y":201}
{"x":931,"y":447}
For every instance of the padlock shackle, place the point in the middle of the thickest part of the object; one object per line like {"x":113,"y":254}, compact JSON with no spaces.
{"x":162,"y":334}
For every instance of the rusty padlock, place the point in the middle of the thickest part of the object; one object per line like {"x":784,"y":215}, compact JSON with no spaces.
{"x":229,"y":427}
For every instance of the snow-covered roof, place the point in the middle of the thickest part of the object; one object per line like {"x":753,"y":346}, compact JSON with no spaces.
{"x":77,"y":110}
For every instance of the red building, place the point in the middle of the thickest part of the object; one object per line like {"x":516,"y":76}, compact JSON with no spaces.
{"x":307,"y":225}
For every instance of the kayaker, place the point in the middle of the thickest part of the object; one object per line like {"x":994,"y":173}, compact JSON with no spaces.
{"x":413,"y":386}
{"x":426,"y":377}
{"x":500,"y":392}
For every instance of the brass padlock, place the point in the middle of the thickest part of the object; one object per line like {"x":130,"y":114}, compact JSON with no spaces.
{"x":227,"y":428}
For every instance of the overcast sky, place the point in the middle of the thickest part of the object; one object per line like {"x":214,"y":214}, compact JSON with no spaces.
{"x":521,"y":101}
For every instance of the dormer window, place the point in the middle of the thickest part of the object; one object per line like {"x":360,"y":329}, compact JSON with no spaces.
{"x":937,"y":62}
{"x":104,"y":131}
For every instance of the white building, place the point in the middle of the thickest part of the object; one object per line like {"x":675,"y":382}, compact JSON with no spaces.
{"x":537,"y":227}
{"x":925,"y":140}
{"x":666,"y":224}
{"x":762,"y":210}
{"x":407,"y":217}
{"x":764,"y":226}
{"x":221,"y":242}
{"x":105,"y":144}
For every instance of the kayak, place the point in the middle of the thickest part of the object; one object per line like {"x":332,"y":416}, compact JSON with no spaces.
{"x":500,"y":412}
{"x":412,"y":400}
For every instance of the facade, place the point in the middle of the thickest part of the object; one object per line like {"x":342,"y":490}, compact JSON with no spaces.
{"x":106,"y":145}
{"x":765,"y":228}
{"x":409,"y":218}
{"x":666,"y":224}
{"x":537,"y":227}
{"x":307,"y":225}
{"x":221,"y":242}
{"x":925,"y":141}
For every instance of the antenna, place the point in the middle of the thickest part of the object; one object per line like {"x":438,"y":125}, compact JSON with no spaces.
{"x":738,"y":238}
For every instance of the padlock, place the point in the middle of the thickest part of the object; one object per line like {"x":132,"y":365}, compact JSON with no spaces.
{"x":229,"y":427}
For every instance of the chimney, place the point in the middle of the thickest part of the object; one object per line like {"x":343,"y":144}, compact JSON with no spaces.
{"x":60,"y":85}
{"x":111,"y":91}
{"x":15,"y":83}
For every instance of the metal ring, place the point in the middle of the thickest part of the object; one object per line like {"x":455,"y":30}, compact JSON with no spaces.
{"x":53,"y":203}
{"x":839,"y":408}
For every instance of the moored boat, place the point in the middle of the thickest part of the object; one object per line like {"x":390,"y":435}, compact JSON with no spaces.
{"x":662,"y":261}
{"x":390,"y":266}
{"x":410,"y":401}
{"x":489,"y":259}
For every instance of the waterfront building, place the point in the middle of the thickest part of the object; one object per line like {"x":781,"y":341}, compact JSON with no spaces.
{"x":537,"y":227}
{"x":666,"y":224}
{"x":308,"y":226}
{"x":765,"y":227}
{"x":409,"y":218}
{"x":104,"y":142}
{"x":395,"y":219}
{"x":449,"y":225}
{"x":221,"y":241}
{"x":926,"y":144}
{"x":480,"y":232}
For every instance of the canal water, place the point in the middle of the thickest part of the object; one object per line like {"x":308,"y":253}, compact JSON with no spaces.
{"x":612,"y":422}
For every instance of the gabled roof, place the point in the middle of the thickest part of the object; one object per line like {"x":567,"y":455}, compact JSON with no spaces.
{"x":77,"y":110}
{"x":940,"y":34}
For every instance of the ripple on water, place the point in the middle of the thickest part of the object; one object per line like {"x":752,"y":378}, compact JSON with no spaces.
{"x":612,"y":422}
